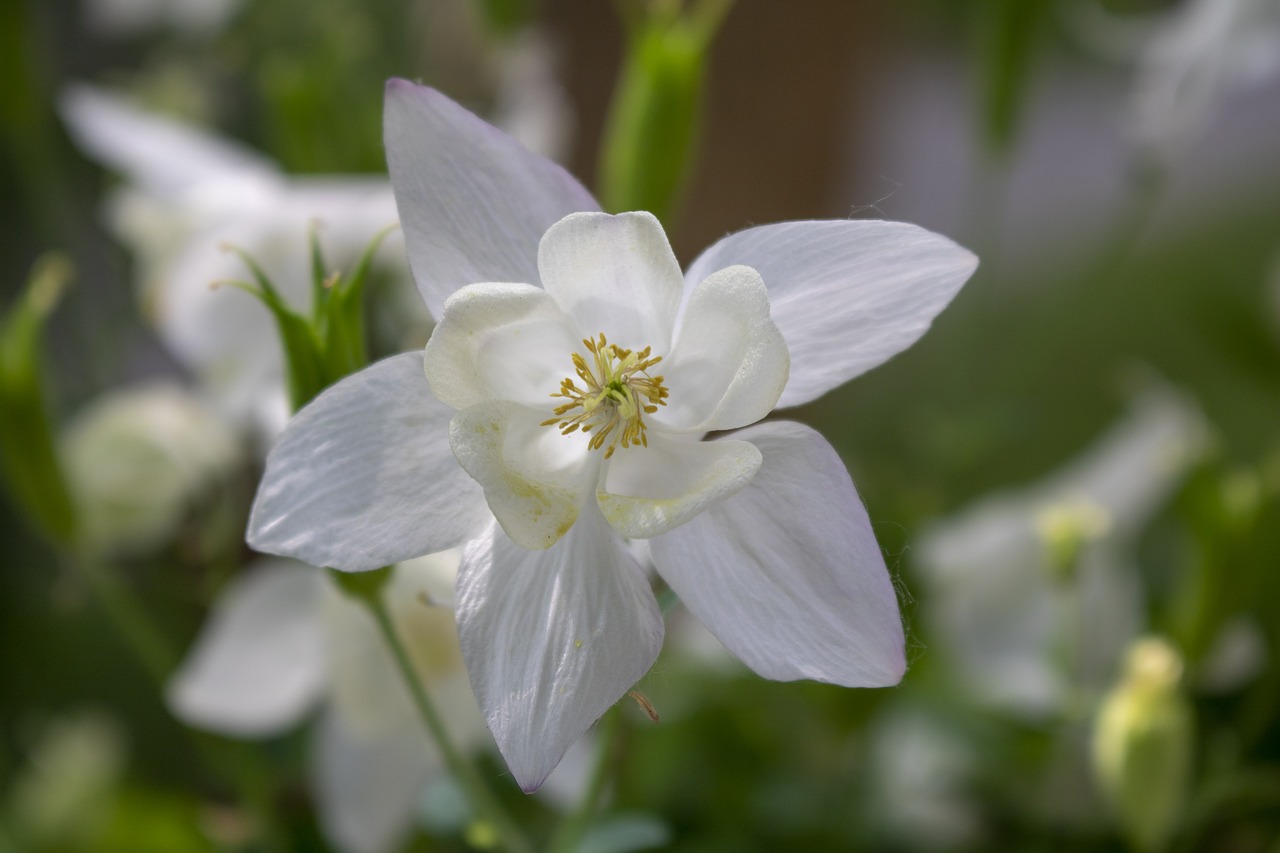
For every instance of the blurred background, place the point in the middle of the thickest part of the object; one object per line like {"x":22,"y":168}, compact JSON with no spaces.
{"x":1075,"y":475}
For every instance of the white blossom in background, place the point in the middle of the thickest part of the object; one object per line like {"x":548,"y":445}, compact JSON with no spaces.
{"x":187,"y":194}
{"x":1002,"y":610}
{"x":1189,"y":58}
{"x":132,"y":17}
{"x":569,"y":385}
{"x":922,"y":770}
{"x":1203,"y":51}
{"x":531,"y":104}
{"x":138,"y":461}
{"x":283,"y":643}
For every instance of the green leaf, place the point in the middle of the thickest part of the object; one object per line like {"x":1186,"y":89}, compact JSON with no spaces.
{"x":625,"y":833}
{"x":304,"y":362}
{"x":1010,"y":35}
{"x":342,"y":325}
{"x":29,"y":462}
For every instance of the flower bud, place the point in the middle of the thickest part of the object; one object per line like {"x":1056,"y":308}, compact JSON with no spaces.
{"x":654,"y":117}
{"x":1142,"y":743}
{"x":1067,"y":527}
{"x":138,"y":460}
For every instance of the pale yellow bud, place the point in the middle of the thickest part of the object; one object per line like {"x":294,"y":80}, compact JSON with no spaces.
{"x":1142,"y":744}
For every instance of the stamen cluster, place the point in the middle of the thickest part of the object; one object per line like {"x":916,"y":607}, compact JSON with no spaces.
{"x":619,"y":392}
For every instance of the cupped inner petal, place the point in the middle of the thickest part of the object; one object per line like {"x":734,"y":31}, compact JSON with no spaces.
{"x":614,"y":275}
{"x":729,"y":363}
{"x":650,"y":490}
{"x":534,"y":479}
{"x":499,"y":342}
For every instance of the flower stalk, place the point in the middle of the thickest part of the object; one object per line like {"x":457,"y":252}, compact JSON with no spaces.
{"x":478,"y":794}
{"x":569,"y":834}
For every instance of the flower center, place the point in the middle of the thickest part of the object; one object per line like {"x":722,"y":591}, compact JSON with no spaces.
{"x":618,"y":393}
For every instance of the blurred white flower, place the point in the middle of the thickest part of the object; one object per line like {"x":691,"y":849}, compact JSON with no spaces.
{"x":761,"y":533}
{"x":1201,"y":51}
{"x":283,"y":641}
{"x":137,"y":462}
{"x":131,"y":17}
{"x":187,"y":195}
{"x":62,"y":797}
{"x":1001,"y":602}
{"x":531,"y":104}
{"x":921,"y":769}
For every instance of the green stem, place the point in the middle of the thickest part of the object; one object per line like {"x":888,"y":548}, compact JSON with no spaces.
{"x":241,"y":766}
{"x":481,"y":798}
{"x":571,"y":830}
{"x":130,"y":618}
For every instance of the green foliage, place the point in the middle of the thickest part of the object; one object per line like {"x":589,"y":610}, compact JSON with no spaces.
{"x":651,"y":136}
{"x":28,"y":458}
{"x":1010,"y":34}
{"x":330,"y":343}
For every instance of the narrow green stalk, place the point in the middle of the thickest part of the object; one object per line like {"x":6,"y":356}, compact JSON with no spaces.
{"x":240,"y":767}
{"x":569,"y":835}
{"x":478,"y":793}
{"x":130,"y":618}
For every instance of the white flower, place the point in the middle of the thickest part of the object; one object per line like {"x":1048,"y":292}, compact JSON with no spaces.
{"x":132,"y":17}
{"x":1202,"y":51}
{"x":139,"y":459}
{"x":998,"y":603}
{"x":188,"y":195}
{"x":760,"y":533}
{"x":282,"y":641}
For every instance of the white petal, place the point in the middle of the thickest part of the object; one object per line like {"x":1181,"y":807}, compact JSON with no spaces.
{"x":729,"y":363}
{"x":533,"y":480}
{"x":473,"y":202}
{"x":846,"y":294}
{"x":368,"y":784}
{"x":160,"y":154}
{"x":261,"y":660}
{"x":500,"y":341}
{"x":649,"y":490}
{"x":363,"y":476}
{"x":787,"y":573}
{"x":553,"y":638}
{"x":616,"y":275}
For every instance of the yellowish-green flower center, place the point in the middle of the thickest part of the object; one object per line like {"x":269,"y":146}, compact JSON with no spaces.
{"x":616,"y":393}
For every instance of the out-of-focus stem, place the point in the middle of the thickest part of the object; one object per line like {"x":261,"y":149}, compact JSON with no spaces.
{"x":482,"y":799}
{"x":570,"y":832}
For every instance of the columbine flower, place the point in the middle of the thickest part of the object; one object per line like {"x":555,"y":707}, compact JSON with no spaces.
{"x":189,"y":194}
{"x":570,"y":388}
{"x":139,"y":460}
{"x":282,"y":641}
{"x":1017,"y":577}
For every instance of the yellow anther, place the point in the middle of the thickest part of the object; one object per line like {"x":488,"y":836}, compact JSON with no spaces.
{"x":618,"y":393}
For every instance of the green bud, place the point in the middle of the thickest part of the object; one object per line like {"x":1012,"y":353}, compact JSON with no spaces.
{"x":652,"y":129}
{"x":1142,"y":744}
{"x":329,"y":344}
{"x":29,"y":463}
{"x":1066,"y":528}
